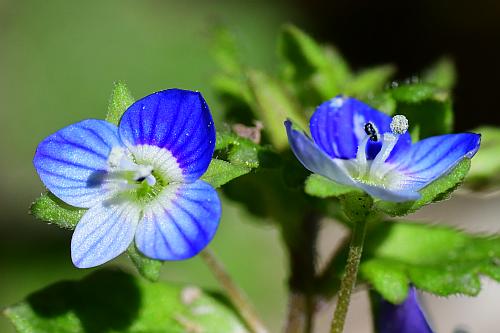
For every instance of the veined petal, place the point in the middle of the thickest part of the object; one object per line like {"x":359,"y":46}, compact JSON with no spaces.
{"x":176,"y":120}
{"x":313,"y":158}
{"x":337,"y":126}
{"x":180,"y":222}
{"x":389,"y":195}
{"x":104,"y":232}
{"x":406,"y":317}
{"x":70,"y":161}
{"x":433,"y":157}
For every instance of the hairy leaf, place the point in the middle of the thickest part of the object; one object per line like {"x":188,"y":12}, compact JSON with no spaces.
{"x":120,"y":100}
{"x":113,"y":301}
{"x":51,"y":209}
{"x":438,"y":259}
{"x":220,"y":172}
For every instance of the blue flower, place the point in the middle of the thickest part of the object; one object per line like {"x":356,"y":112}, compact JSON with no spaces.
{"x":138,"y":180}
{"x":406,"y":317}
{"x":356,"y":145}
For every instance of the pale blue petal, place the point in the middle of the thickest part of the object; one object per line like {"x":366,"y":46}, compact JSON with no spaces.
{"x":337,"y":127}
{"x":180,"y":222}
{"x":434,"y":157}
{"x":176,"y":120}
{"x":389,"y":195}
{"x":71,"y":161}
{"x":104,"y":232}
{"x":313,"y":158}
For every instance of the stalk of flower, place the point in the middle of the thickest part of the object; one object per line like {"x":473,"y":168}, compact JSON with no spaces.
{"x":139,"y":180}
{"x":406,"y":317}
{"x":358,"y":146}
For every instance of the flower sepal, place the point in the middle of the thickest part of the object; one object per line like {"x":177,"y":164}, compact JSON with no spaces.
{"x":322,"y":187}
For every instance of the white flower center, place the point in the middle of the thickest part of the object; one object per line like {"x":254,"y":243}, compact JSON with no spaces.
{"x":142,"y":169}
{"x":376,"y":171}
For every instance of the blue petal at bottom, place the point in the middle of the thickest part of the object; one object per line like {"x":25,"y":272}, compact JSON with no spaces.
{"x":406,"y":317}
{"x":104,"y":232}
{"x":180,"y":222}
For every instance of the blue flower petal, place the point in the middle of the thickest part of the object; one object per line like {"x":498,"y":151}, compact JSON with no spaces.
{"x":70,"y":160}
{"x":180,"y":222}
{"x":104,"y":232}
{"x":337,"y":126}
{"x":406,"y":317}
{"x":177,"y":120}
{"x":433,"y":157}
{"x":389,"y":195}
{"x":313,"y":158}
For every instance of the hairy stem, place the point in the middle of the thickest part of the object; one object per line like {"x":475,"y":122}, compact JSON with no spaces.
{"x":235,"y":294}
{"x":349,"y":278}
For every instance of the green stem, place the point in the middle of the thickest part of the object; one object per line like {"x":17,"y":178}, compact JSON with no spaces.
{"x":349,"y":279}
{"x":235,"y":294}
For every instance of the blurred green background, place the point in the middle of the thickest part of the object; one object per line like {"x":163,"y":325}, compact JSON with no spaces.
{"x":59,"y":58}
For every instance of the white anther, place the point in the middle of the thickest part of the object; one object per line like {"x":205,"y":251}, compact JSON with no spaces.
{"x":399,"y":124}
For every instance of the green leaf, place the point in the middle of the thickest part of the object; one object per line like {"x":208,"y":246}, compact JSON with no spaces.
{"x":120,"y":100}
{"x":113,"y":301}
{"x":485,"y":169}
{"x":387,"y":276}
{"x":437,"y":259}
{"x":220,"y":172}
{"x":147,"y":267}
{"x":244,"y":152}
{"x":51,"y":209}
{"x":427,"y":107}
{"x":369,"y":81}
{"x":441,"y":74}
{"x":310,"y":66}
{"x":438,"y":190}
{"x":322,"y":187}
{"x":274,"y":106}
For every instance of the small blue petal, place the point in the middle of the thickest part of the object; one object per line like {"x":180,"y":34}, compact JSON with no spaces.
{"x":68,"y":160}
{"x":313,"y":158}
{"x":104,"y":232}
{"x":337,"y":126}
{"x":180,"y":223}
{"x":406,"y":317}
{"x":433,"y":157}
{"x":177,"y":120}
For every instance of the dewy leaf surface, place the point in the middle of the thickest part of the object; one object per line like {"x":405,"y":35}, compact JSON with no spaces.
{"x":113,"y":301}
{"x":438,"y":259}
